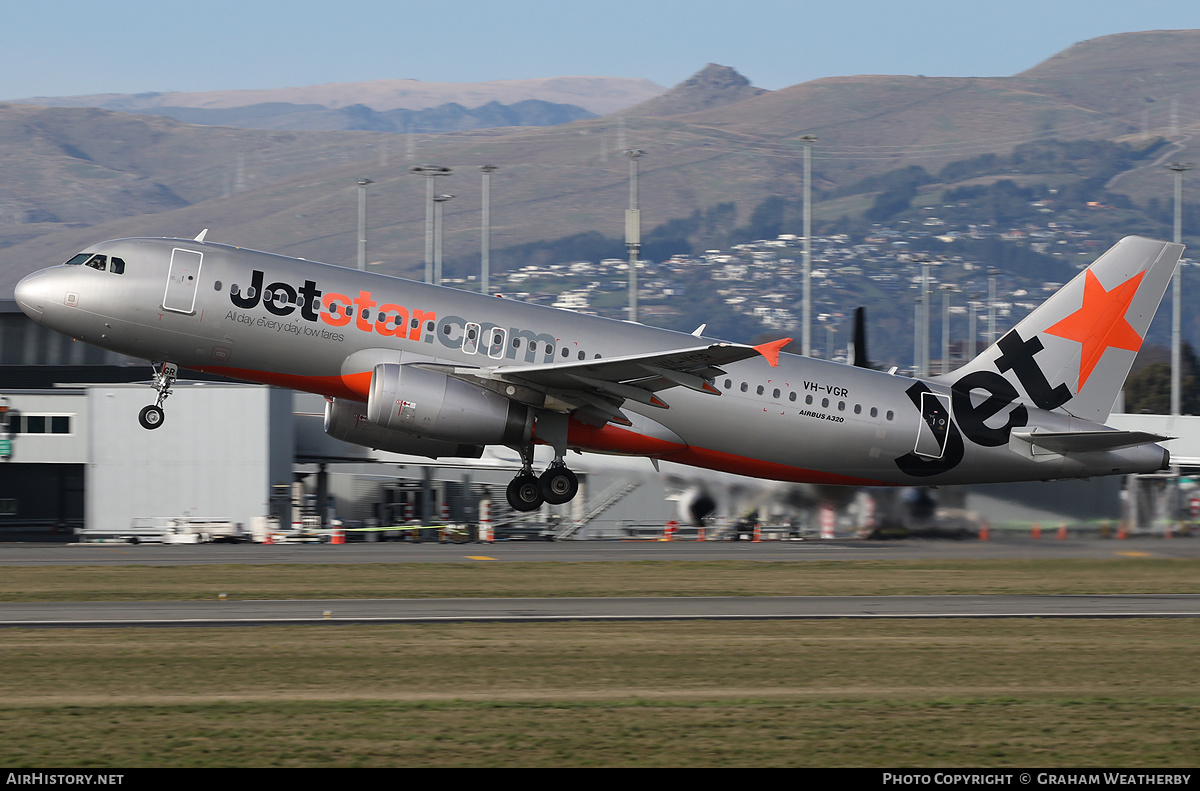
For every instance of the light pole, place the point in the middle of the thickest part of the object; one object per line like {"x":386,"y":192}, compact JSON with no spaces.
{"x":806,"y":337}
{"x":1178,"y":168}
{"x":992,"y":273}
{"x":485,"y":244}
{"x":437,"y":237}
{"x":973,"y":326}
{"x":633,"y":230}
{"x":946,"y":291}
{"x":430,"y":172}
{"x":924,"y":315}
{"x":362,"y":222}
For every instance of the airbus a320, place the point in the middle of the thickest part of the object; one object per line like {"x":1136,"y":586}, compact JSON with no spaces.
{"x":438,"y":372}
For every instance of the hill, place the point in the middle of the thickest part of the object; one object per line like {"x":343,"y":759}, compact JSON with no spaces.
{"x":69,"y":176}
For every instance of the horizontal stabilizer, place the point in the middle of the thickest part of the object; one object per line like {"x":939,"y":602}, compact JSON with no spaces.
{"x":1086,"y":441}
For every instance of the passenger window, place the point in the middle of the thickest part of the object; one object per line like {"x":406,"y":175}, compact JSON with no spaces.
{"x":745,"y":387}
{"x":775,"y":393}
{"x":792,"y":396}
{"x":759,"y":390}
{"x":874,"y":411}
{"x":118,"y":268}
{"x":582,"y":355}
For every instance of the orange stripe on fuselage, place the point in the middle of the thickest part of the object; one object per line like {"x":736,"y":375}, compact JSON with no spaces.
{"x":757,"y":468}
{"x":354,"y":387}
{"x":615,"y":439}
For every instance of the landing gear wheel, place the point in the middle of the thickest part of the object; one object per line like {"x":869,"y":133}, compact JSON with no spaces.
{"x":558,"y":485}
{"x":151,"y":417}
{"x":524,"y":494}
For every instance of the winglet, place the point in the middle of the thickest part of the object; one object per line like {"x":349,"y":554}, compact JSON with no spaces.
{"x":771,"y":350}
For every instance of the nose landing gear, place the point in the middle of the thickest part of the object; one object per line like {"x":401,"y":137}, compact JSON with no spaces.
{"x":151,"y":417}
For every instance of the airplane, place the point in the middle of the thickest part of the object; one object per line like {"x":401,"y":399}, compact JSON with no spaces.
{"x":425,"y":370}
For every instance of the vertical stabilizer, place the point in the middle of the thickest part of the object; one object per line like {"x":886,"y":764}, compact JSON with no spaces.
{"x":1073,"y":352}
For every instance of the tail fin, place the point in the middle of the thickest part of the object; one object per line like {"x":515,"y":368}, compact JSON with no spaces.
{"x":1073,"y":352}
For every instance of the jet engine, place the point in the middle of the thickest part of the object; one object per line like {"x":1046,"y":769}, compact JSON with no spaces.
{"x":429,"y":404}
{"x":694,"y":504}
{"x":347,"y":421}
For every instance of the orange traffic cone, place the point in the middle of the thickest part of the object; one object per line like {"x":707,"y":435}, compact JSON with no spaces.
{"x":1037,"y":531}
{"x":984,"y":532}
{"x":1062,"y":532}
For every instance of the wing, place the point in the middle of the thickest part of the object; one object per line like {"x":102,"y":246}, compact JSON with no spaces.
{"x":594,"y":390}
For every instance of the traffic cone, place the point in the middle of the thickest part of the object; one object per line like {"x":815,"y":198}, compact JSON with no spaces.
{"x":1062,"y":532}
{"x":984,"y":532}
{"x":1036,"y":533}
{"x":757,"y":534}
{"x":1121,"y":534}
{"x":339,"y":537}
{"x":700,"y":533}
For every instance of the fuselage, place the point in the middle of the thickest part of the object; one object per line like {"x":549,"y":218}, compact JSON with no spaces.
{"x":321,"y":328}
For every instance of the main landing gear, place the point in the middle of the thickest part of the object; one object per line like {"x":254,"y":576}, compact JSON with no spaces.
{"x":557,"y":485}
{"x":151,"y":417}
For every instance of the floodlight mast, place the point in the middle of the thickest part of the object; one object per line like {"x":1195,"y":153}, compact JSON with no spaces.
{"x":633,"y":230}
{"x":430,"y":172}
{"x":362,"y":222}
{"x":438,"y":202}
{"x":806,"y":337}
{"x":1178,"y":168}
{"x":485,"y":252}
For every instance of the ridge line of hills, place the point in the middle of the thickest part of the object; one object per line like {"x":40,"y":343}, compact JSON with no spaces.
{"x":72,"y":175}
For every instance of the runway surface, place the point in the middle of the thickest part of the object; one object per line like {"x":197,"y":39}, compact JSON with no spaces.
{"x":343,"y":611}
{"x":1014,"y":546}
{"x":317,"y":611}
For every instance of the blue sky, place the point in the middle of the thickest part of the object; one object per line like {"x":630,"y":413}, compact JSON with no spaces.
{"x":69,"y":47}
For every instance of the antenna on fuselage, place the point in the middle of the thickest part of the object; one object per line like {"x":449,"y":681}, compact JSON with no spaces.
{"x":200,"y":236}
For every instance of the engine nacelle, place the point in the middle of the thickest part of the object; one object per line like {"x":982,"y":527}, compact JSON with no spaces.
{"x":347,"y":421}
{"x":430,"y":404}
{"x":694,"y":504}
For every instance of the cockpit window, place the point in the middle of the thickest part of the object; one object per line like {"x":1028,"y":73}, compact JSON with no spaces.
{"x":78,"y":259}
{"x":98,"y":262}
{"x":117,"y":266}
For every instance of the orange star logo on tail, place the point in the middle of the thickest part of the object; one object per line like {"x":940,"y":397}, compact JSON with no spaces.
{"x":1100,"y":323}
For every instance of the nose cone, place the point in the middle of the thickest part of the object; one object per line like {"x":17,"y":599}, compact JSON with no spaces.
{"x":30,"y":294}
